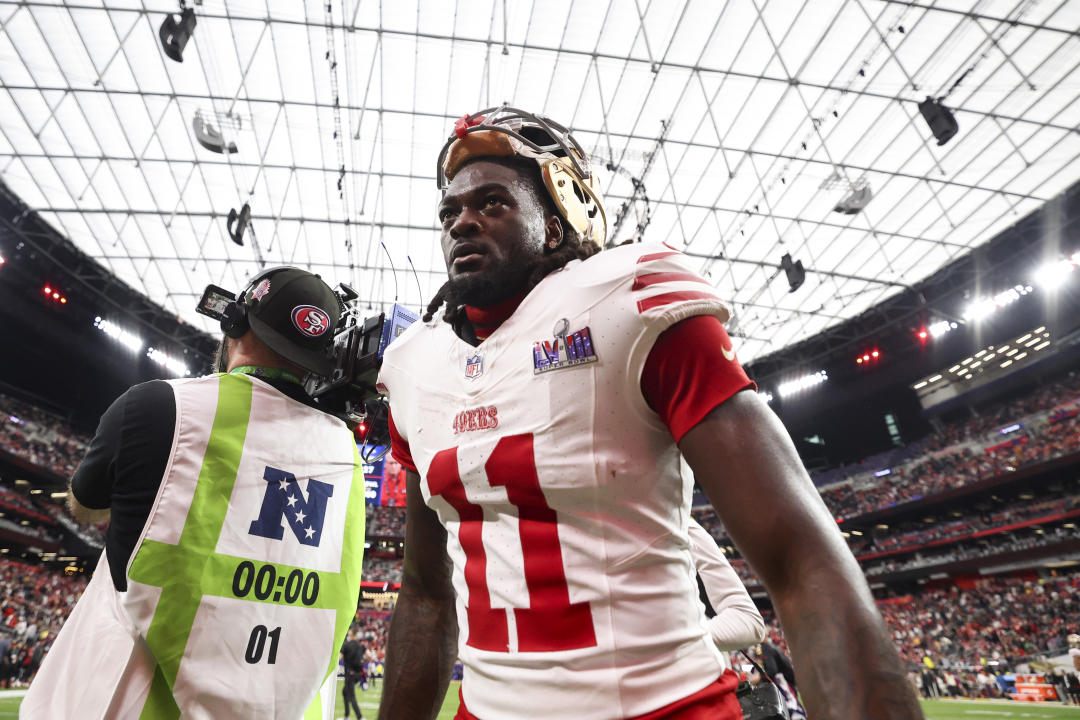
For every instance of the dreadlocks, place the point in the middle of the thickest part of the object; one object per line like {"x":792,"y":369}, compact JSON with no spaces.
{"x":572,"y":247}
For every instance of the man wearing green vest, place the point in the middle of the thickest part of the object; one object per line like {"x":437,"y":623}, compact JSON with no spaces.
{"x":232,"y":561}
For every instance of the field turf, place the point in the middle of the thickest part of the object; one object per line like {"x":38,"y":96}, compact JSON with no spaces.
{"x":997,"y":710}
{"x":934,"y":709}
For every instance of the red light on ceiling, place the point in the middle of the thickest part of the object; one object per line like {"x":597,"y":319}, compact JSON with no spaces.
{"x":923,"y":334}
{"x":868,"y":357}
{"x":54,"y":294}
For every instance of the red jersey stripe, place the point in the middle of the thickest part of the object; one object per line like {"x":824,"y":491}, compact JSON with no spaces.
{"x":644,"y":281}
{"x":716,"y":701}
{"x":673,"y":297}
{"x":399,"y":447}
{"x":656,"y":256}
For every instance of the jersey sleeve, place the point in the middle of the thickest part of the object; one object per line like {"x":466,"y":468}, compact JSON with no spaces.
{"x":666,"y":289}
{"x":399,"y":446}
{"x":690,"y":370}
{"x":737,"y":623}
{"x":391,"y":376}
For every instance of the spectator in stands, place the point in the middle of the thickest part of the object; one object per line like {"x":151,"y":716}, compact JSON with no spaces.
{"x":393,"y":488}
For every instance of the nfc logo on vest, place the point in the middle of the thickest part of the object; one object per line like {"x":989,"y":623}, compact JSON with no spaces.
{"x":283,"y":498}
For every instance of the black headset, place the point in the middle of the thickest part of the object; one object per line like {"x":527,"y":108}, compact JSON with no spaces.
{"x":235,"y":321}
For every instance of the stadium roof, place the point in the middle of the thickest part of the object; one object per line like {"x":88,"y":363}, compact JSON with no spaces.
{"x":728,"y":128}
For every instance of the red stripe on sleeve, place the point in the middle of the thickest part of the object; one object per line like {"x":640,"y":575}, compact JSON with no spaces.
{"x":686,"y":374}
{"x":643,"y":281}
{"x":399,"y":446}
{"x":656,"y":256}
{"x":673,"y":297}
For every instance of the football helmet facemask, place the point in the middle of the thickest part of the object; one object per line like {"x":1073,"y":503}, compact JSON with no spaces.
{"x":506,"y":132}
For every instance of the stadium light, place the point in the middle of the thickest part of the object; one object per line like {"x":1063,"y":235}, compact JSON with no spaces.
{"x":1054,"y":274}
{"x":984,"y":307}
{"x":803,"y":383}
{"x":129,"y":340}
{"x":940,"y":327}
{"x":173,"y":365}
{"x":766,"y":396}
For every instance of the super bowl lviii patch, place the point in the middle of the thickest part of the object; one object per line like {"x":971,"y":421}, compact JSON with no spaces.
{"x":566,"y":349}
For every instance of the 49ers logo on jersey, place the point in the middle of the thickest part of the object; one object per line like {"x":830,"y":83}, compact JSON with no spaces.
{"x":310,"y":320}
{"x":481,"y":418}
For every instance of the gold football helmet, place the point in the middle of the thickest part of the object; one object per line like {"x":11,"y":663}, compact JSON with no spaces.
{"x":504,"y":132}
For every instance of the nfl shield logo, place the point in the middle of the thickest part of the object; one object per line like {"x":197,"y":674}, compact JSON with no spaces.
{"x":474,"y":366}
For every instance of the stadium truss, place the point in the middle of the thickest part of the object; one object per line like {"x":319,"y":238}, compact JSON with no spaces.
{"x":740,"y":131}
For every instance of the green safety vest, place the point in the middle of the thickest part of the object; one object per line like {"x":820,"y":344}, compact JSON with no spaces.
{"x":247,"y":574}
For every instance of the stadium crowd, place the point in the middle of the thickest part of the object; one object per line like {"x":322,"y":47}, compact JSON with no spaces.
{"x":991,"y":623}
{"x":1058,"y":435}
{"x":39,"y":437}
{"x":385,"y":521}
{"x":948,"y":635}
{"x":985,"y":625}
{"x":916,"y":534}
{"x":1053,"y":432}
{"x":382,"y":569}
{"x":968,"y":550}
{"x":34,"y":602}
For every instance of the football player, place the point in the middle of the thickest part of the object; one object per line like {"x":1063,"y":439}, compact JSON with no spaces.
{"x":539,"y":410}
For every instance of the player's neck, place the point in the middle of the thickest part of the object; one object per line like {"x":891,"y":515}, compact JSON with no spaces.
{"x":487,"y":319}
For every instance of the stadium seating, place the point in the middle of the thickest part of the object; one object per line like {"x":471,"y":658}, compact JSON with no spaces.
{"x":949,"y":632}
{"x":34,"y":602}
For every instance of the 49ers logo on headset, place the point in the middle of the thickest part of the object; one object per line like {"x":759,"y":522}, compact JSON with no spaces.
{"x":310,"y":320}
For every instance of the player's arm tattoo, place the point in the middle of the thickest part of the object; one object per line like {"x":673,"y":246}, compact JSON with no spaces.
{"x":845,"y":663}
{"x":422,"y":645}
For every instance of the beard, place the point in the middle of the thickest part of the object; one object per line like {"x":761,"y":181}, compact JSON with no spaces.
{"x":221,"y":358}
{"x":491,"y":287}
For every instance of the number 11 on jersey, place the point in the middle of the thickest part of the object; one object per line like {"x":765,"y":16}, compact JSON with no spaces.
{"x":551,"y":622}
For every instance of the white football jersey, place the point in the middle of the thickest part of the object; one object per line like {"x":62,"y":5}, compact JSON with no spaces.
{"x":561,"y":493}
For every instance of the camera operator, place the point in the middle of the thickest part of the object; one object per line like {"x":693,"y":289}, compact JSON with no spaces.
{"x":232,"y":561}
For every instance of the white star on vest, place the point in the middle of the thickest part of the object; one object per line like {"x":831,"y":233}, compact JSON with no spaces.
{"x":283,"y":484}
{"x":292,"y":500}
{"x":308,"y":532}
{"x":300,"y":517}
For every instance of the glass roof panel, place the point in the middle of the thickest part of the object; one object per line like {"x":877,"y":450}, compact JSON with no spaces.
{"x":743,"y":130}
